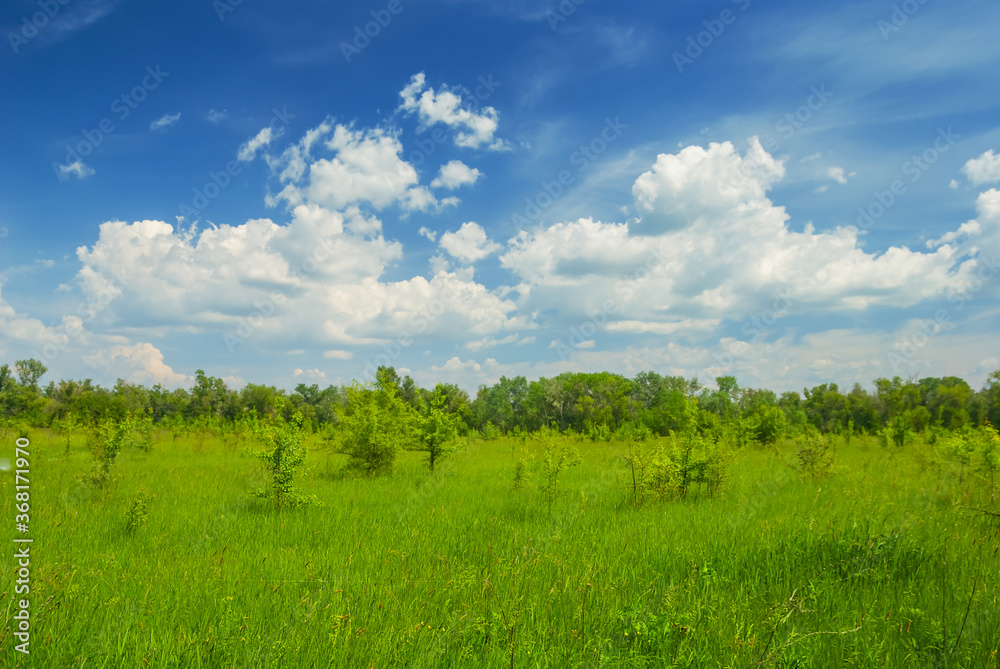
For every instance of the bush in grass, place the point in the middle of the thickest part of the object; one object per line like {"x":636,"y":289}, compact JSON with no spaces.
{"x":989,"y":443}
{"x":106,"y":442}
{"x":435,"y":429}
{"x":137,"y":513}
{"x":973,"y":449}
{"x":375,"y":425}
{"x":768,"y":424}
{"x":896,"y":431}
{"x":815,"y":456}
{"x":691,"y":462}
{"x":639,"y":456}
{"x":490,"y":431}
{"x":598,"y":432}
{"x":522,"y":474}
{"x":283,"y":455}
{"x":140,"y":433}
{"x":556,"y":456}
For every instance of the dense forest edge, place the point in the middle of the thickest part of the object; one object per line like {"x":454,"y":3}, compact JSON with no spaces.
{"x":584,"y":403}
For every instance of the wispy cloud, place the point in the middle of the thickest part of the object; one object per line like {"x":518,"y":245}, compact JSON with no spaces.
{"x":78,"y":169}
{"x":76,"y":17}
{"x":165,"y":121}
{"x":217,"y":115}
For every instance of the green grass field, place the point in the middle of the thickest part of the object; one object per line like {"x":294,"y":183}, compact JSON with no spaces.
{"x":883,"y":563}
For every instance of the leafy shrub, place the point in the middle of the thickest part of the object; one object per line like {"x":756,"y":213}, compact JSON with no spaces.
{"x":282,"y":456}
{"x":140,"y":433}
{"x":106,"y":443}
{"x":599,"y":432}
{"x":490,"y":431}
{"x":436,"y":430}
{"x":521,"y":472}
{"x":639,"y":456}
{"x":375,"y":425}
{"x":137,"y":513}
{"x":896,"y":432}
{"x":815,"y":456}
{"x":973,"y":449}
{"x":556,"y":456}
{"x":990,"y":449}
{"x":692,"y":461}
{"x":768,"y":424}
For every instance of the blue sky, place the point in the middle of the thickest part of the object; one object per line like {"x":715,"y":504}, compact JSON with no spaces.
{"x":297,"y":192}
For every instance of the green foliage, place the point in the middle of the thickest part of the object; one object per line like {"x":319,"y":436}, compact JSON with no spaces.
{"x":556,"y":456}
{"x":137,"y":513}
{"x":640,"y":453}
{"x":973,"y":450}
{"x":896,"y":432}
{"x":690,"y":462}
{"x":108,"y":440}
{"x":490,"y":431}
{"x":375,"y":425}
{"x":282,"y":457}
{"x":29,"y":372}
{"x":768,"y":424}
{"x":989,"y":441}
{"x":522,"y":474}
{"x":815,"y":456}
{"x":435,"y":430}
{"x":599,"y":432}
{"x":773,"y":573}
{"x":141,"y":431}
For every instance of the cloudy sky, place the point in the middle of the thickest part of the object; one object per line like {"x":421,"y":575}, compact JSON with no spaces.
{"x":300,"y":191}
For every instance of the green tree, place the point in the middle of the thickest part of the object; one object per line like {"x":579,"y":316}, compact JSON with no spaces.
{"x":435,"y":429}
{"x":502,"y":404}
{"x":375,"y":425}
{"x":282,"y":456}
{"x":991,"y":394}
{"x":208,"y":396}
{"x":29,"y":372}
{"x":767,"y":423}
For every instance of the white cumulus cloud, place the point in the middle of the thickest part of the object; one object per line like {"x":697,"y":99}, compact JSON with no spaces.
{"x":140,"y":363}
{"x":984,"y":169}
{"x":455,"y":173}
{"x":469,"y":244}
{"x":473,"y":129}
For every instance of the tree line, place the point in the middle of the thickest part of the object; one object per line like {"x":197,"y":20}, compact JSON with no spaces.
{"x":582,"y":402}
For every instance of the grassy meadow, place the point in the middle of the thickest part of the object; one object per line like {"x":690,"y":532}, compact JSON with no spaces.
{"x":883,"y":561}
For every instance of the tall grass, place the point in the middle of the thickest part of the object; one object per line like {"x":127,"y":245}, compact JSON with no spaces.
{"x":883,"y":562}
